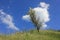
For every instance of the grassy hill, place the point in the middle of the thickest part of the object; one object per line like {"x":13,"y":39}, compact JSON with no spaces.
{"x":32,"y":35}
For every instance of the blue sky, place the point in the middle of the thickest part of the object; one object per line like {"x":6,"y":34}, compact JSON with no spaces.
{"x":18,"y":8}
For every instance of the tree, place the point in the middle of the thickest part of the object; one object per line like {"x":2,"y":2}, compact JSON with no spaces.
{"x":33,"y":19}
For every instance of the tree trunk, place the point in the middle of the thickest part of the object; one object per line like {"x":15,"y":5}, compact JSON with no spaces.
{"x":38,"y":29}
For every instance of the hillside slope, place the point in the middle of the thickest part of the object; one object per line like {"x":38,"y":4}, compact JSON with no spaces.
{"x":32,"y":35}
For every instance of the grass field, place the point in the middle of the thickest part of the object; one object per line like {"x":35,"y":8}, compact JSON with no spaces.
{"x":32,"y":35}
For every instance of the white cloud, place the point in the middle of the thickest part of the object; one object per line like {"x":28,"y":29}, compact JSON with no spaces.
{"x":8,"y":20}
{"x":44,"y":5}
{"x":42,"y":14}
{"x":26,"y":17}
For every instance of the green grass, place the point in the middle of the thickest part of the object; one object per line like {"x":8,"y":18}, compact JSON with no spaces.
{"x":32,"y":35}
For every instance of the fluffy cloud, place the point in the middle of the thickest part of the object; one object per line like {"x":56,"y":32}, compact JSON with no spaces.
{"x":26,"y":17}
{"x":44,"y":5}
{"x":41,"y":13}
{"x":8,"y":20}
